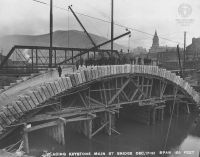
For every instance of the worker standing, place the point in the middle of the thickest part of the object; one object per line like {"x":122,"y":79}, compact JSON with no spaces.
{"x":59,"y":71}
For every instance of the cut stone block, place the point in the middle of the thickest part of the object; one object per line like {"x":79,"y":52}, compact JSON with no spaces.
{"x":55,"y":90}
{"x":41,"y":92}
{"x":3,"y":123}
{"x":17,"y":108}
{"x":21,"y":106}
{"x":60,"y":81}
{"x":83,"y":76}
{"x":73,"y":81}
{"x":46,"y":92}
{"x":79,"y":77}
{"x":96,"y":73}
{"x":12,"y":84}
{"x":50,"y":89}
{"x":28,"y":102}
{"x":25,"y":78}
{"x":38,"y":96}
{"x":25,"y":102}
{"x":9,"y":115}
{"x":5,"y":118}
{"x":66,"y":83}
{"x":33,"y":97}
{"x":76,"y":79}
{"x":69,"y":82}
{"x":18,"y":81}
{"x":57,"y":85}
{"x":13,"y":112}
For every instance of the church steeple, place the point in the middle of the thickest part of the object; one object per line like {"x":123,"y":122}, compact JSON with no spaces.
{"x":155,"y":40}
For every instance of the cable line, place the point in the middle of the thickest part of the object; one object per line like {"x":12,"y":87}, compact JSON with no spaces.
{"x":119,"y":25}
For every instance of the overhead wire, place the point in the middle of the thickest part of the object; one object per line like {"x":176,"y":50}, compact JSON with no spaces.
{"x":103,"y":20}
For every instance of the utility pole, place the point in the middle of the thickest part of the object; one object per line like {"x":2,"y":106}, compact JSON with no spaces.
{"x":51,"y":33}
{"x":112,"y":26}
{"x":184,"y":53}
{"x":129,"y":43}
{"x":179,"y":61}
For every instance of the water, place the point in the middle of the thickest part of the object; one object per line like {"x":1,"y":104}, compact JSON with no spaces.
{"x":135,"y":137}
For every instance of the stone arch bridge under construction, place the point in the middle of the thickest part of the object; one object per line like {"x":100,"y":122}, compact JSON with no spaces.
{"x":92,"y":98}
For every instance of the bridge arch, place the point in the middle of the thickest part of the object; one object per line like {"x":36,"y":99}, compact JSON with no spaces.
{"x":90,"y":91}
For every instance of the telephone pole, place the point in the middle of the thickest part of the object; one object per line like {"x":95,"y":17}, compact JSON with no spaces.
{"x":179,"y":61}
{"x":112,"y":25}
{"x":184,"y":53}
{"x":51,"y":33}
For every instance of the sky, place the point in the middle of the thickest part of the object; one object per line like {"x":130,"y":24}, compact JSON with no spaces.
{"x":30,"y":17}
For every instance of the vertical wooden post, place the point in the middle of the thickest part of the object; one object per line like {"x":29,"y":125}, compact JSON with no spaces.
{"x":90,"y":128}
{"x":105,"y":94}
{"x":94,"y":55}
{"x":26,"y":142}
{"x":89,"y":102}
{"x":108,"y":118}
{"x":109,"y":124}
{"x":184,"y":54}
{"x":142,"y":84}
{"x":116,"y":86}
{"x":51,"y":33}
{"x":101,"y":94}
{"x":72,"y":57}
{"x":55,"y":57}
{"x":150,"y":92}
{"x":147,"y":89}
{"x":109,"y":86}
{"x":57,"y":132}
{"x":87,"y":129}
{"x":84,"y":128}
{"x":153,"y":116}
{"x":65,"y":55}
{"x":157,"y":117}
{"x":36,"y":53}
{"x":32,"y":59}
{"x":177,"y":109}
{"x":170,"y":109}
{"x":61,"y":127}
{"x":112,"y":26}
{"x":188,"y":109}
{"x":162,"y":114}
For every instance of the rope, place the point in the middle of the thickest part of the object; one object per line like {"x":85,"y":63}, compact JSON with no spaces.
{"x":168,"y":130}
{"x":21,"y":146}
{"x":8,"y":148}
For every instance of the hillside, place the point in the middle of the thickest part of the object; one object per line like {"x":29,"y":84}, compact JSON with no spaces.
{"x":72,"y":38}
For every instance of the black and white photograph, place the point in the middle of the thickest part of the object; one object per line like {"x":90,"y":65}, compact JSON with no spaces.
{"x":99,"y":78}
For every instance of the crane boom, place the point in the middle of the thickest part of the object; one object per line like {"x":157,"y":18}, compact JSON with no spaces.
{"x":92,"y":41}
{"x":95,"y":47}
